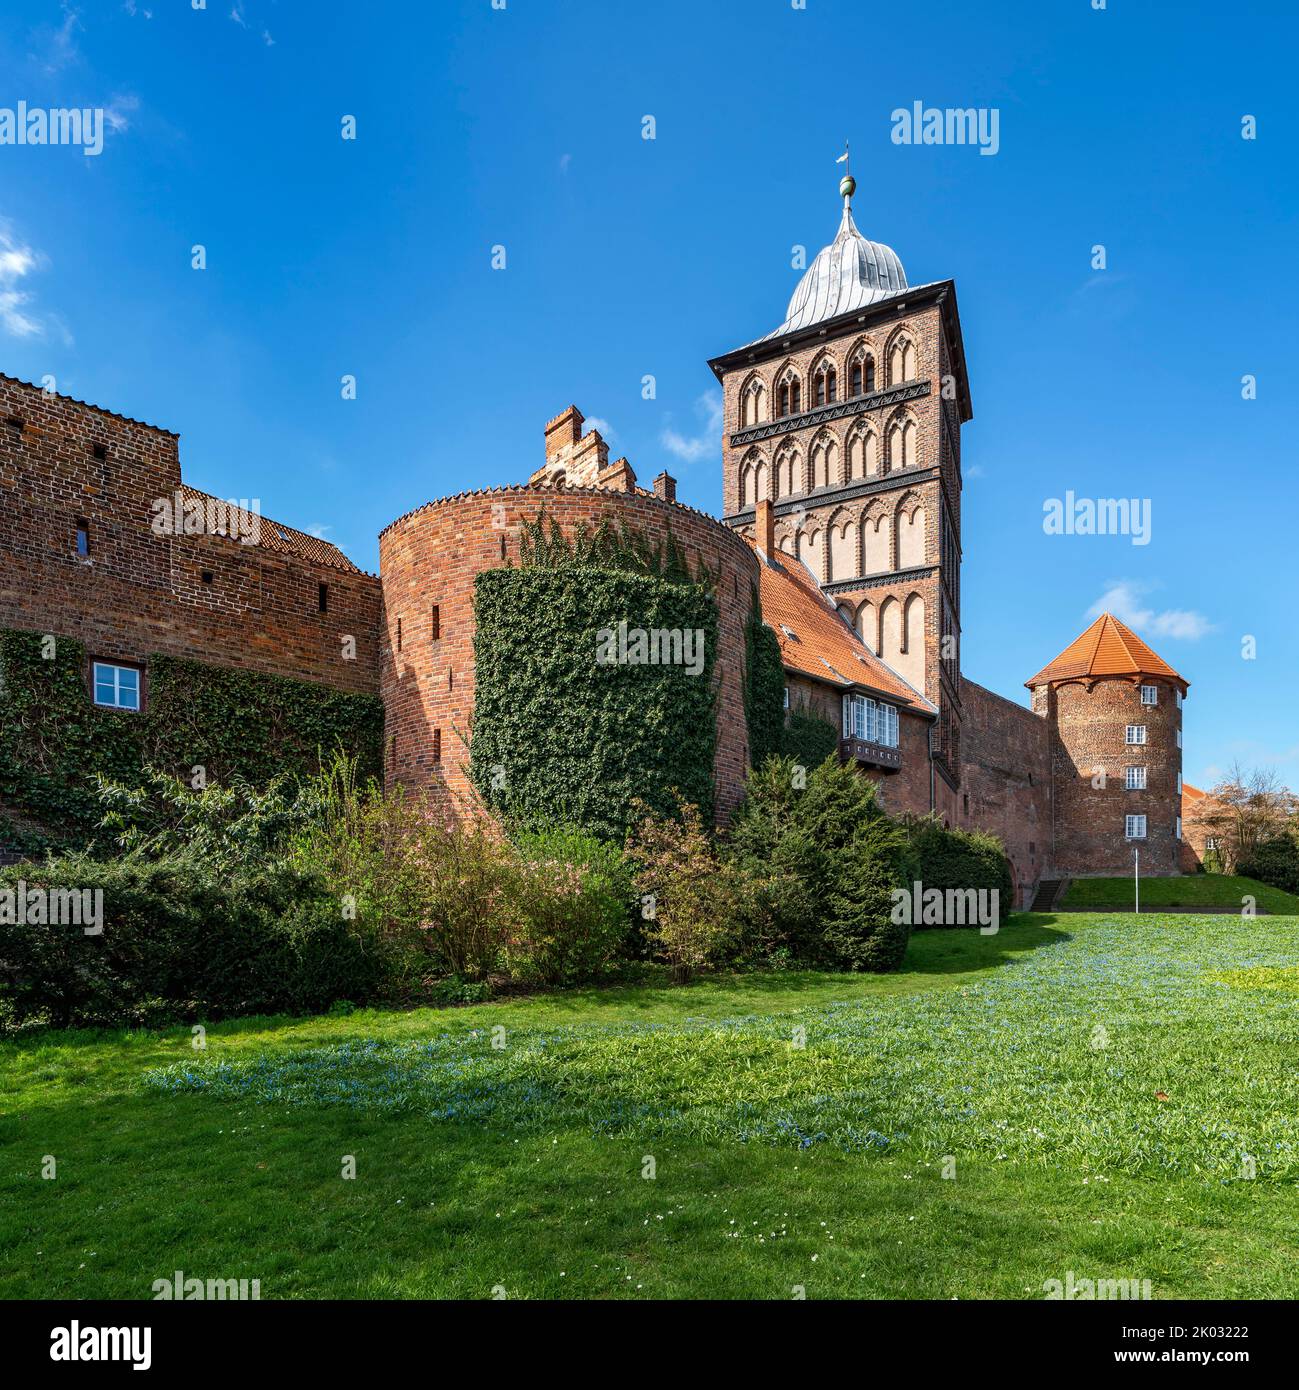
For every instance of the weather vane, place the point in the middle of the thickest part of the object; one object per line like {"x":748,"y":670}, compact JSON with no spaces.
{"x":847,"y":184}
{"x":843,"y":158}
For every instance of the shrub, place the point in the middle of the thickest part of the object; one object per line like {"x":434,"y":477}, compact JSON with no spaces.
{"x":960,"y":859}
{"x":809,"y":739}
{"x":1274,"y":862}
{"x":688,"y":895}
{"x":178,"y":940}
{"x":820,"y":860}
{"x":571,"y":907}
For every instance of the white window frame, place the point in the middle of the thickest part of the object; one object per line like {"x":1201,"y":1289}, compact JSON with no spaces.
{"x":1136,"y":735}
{"x":1149,"y":694}
{"x":787,"y":697}
{"x":1177,"y":696}
{"x":871,"y":721}
{"x":115,"y":671}
{"x":1179,"y":738}
{"x":1179,"y":784}
{"x":1134,"y":827}
{"x":1134,"y":778}
{"x":1179,"y":827}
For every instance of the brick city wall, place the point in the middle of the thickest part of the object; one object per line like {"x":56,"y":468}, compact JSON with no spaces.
{"x":430,"y":557}
{"x":137,"y":593}
{"x":1089,"y":721}
{"x":1006,"y":782}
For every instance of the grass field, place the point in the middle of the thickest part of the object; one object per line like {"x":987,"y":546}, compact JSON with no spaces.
{"x":1187,"y":891}
{"x":1099,"y":1092}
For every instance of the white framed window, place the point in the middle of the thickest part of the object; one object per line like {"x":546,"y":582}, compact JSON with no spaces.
{"x":1179,"y":738}
{"x":1177,"y":696}
{"x":1136,"y":733}
{"x":1210,"y":842}
{"x":1179,"y":784}
{"x":1179,"y":827}
{"x":787,"y":697}
{"x":870,"y":720}
{"x":1149,"y":694}
{"x":1135,"y":779}
{"x":1134,"y":828}
{"x":116,"y":687}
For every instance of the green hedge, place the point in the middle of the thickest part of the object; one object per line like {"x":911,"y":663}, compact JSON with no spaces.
{"x":960,"y":859}
{"x":559,"y":737}
{"x":54,"y":740}
{"x":1274,"y":862}
{"x":179,"y":942}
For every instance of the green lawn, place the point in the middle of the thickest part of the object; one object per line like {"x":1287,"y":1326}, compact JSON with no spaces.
{"x":1098,"y":1088}
{"x":1188,"y":891}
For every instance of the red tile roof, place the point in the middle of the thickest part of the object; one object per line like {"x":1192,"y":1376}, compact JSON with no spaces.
{"x":1107,"y":648}
{"x":286,"y":540}
{"x":815,"y":640}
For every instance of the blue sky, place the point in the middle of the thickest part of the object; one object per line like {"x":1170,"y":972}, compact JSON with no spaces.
{"x":522,"y":127}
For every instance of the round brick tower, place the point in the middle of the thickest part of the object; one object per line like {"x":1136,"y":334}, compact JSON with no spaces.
{"x":1114,"y":709}
{"x":428,"y":560}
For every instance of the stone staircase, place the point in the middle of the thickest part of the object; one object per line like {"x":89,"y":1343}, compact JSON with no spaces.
{"x":1049,"y":892}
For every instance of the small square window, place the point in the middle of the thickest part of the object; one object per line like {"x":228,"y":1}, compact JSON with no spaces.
{"x":206,"y":576}
{"x":1135,"y":827}
{"x":99,"y":451}
{"x":116,"y":687}
{"x":1149,"y":694}
{"x":1136,"y":733}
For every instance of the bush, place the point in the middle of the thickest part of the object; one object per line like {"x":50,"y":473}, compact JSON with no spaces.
{"x":571,"y":907}
{"x":960,"y":859}
{"x":819,"y":860}
{"x":1274,"y":862}
{"x":179,"y":941}
{"x":808,"y":739}
{"x":688,"y":896}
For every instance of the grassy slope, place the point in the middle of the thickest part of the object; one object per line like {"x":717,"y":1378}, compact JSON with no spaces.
{"x":150,"y":1181}
{"x":1187,"y":891}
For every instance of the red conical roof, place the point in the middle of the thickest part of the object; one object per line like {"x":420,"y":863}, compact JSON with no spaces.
{"x":1107,"y":648}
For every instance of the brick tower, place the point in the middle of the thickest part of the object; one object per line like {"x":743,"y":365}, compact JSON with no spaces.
{"x":1114,"y":711}
{"x":847,"y":418}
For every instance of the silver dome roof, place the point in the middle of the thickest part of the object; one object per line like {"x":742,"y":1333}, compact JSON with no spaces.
{"x":849,"y":274}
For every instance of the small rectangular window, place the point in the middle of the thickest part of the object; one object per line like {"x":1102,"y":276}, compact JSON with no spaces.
{"x":1179,"y":738}
{"x":83,"y":538}
{"x":99,"y":451}
{"x":322,"y":597}
{"x":399,"y":634}
{"x":1136,"y":779}
{"x":1136,"y":733}
{"x":787,"y":697}
{"x":435,"y":623}
{"x":1135,"y":827}
{"x":206,"y":576}
{"x":1179,"y":827}
{"x":437,"y":745}
{"x":1179,"y":784}
{"x":1149,"y":694}
{"x":14,"y":424}
{"x":116,"y":687}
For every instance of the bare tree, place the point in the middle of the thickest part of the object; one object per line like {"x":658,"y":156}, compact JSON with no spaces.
{"x":1244,"y":809}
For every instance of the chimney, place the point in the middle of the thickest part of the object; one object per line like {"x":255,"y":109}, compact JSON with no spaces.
{"x":764,"y":532}
{"x":563,"y":431}
{"x":665,"y":486}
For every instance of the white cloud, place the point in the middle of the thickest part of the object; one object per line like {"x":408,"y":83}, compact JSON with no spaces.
{"x":17,"y":261}
{"x":320,"y":531}
{"x":59,"y":46}
{"x":1125,"y":599}
{"x":693,"y":448}
{"x":603,"y":427}
{"x":118,"y":113}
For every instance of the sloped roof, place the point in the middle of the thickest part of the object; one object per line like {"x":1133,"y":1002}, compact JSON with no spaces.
{"x":815,"y":640}
{"x":285,"y":540}
{"x":1107,"y":648}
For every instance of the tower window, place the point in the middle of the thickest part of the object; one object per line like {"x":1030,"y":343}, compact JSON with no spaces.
{"x":870,"y":374}
{"x":435,"y":623}
{"x":399,"y":634}
{"x":1134,"y":827}
{"x":1179,"y":827}
{"x":437,"y":745}
{"x":14,"y":424}
{"x":820,"y":388}
{"x":99,"y":451}
{"x":784,"y":398}
{"x":1149,"y":694}
{"x":206,"y":576}
{"x":832,"y":385}
{"x":854,"y":381}
{"x":1136,"y":733}
{"x":83,"y":538}
{"x":322,"y":597}
{"x":1135,"y":779}
{"x":795,"y":397}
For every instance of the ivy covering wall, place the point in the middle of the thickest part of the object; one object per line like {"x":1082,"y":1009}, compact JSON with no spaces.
{"x":54,"y":739}
{"x":559,"y":736}
{"x":764,"y":688}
